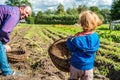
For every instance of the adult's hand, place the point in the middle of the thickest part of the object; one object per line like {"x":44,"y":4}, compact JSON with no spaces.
{"x":8,"y":48}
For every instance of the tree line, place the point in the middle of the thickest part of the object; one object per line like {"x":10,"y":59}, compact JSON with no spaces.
{"x":70,"y":15}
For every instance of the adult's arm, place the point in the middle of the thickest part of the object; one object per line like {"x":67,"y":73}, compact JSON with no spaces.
{"x":9,"y":23}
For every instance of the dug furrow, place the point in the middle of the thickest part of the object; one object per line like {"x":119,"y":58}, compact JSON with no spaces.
{"x":50,"y":35}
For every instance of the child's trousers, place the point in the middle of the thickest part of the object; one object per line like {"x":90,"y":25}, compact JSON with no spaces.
{"x":76,"y":74}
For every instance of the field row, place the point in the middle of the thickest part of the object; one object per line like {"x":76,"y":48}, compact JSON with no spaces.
{"x":42,"y":36}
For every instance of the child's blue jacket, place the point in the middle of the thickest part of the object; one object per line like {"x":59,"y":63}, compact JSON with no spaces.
{"x":83,"y":50}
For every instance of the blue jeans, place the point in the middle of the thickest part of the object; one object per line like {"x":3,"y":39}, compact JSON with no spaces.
{"x":4,"y":66}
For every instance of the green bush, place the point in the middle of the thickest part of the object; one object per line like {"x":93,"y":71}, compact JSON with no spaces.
{"x":117,"y":26}
{"x":30,"y":20}
{"x":57,"y":19}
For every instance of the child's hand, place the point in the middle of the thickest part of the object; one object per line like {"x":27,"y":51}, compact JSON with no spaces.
{"x":8,"y":48}
{"x":70,"y":36}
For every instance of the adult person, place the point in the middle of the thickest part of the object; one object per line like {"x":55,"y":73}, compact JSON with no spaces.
{"x":9,"y":17}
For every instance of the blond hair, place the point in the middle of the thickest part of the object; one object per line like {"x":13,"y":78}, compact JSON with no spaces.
{"x":89,"y":20}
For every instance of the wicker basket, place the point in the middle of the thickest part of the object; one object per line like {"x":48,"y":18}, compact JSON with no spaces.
{"x":16,"y":56}
{"x":60,"y":55}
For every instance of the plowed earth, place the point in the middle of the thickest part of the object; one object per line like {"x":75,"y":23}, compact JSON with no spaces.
{"x":37,"y":64}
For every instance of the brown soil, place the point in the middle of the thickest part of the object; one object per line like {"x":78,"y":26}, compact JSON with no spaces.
{"x":37,"y":65}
